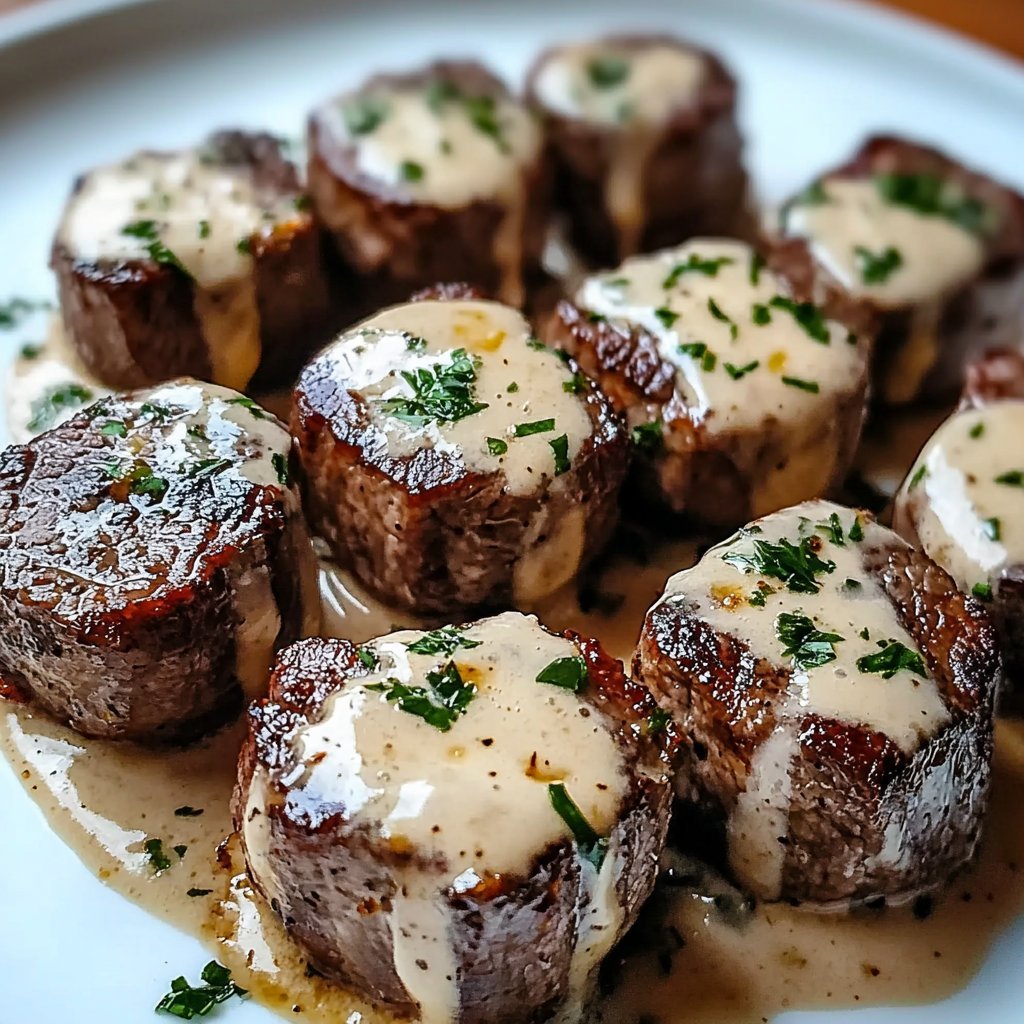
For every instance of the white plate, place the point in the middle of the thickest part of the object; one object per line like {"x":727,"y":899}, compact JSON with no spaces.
{"x":82,"y":82}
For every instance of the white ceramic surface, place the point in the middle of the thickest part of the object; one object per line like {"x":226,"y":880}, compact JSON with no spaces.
{"x":83,"y":81}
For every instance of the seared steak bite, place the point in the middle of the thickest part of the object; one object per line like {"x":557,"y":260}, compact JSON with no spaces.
{"x":937,"y":249}
{"x":743,"y":381}
{"x":835,"y":694}
{"x":459,"y":824}
{"x":154,"y":558}
{"x":202,"y":261}
{"x":437,"y":174}
{"x":647,"y":150}
{"x":452,"y":461}
{"x":962,"y":503}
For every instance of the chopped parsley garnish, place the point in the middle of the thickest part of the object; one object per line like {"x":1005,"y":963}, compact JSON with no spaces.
{"x":930,"y":196}
{"x":666,"y":316}
{"x":186,"y":1001}
{"x":30,"y":351}
{"x":692,"y":348}
{"x":187,"y":812}
{"x":807,"y":645}
{"x":993,"y":528}
{"x":13,"y":311}
{"x":574,"y":385}
{"x":813,"y":195}
{"x":367,"y":658}
{"x":445,"y":697}
{"x":560,"y":449}
{"x":893,"y":657}
{"x":446,"y":640}
{"x":513,"y":387}
{"x":852,"y":584}
{"x":114,"y":428}
{"x":806,"y":314}
{"x":833,"y":527}
{"x":48,"y":406}
{"x":364,"y":114}
{"x":607,"y":70}
{"x":795,"y":564}
{"x":657,"y":721}
{"x":977,"y":430}
{"x":158,"y":860}
{"x":756,"y":266}
{"x":443,"y":393}
{"x":414,"y":343}
{"x":982,"y":591}
{"x":856,"y":533}
{"x":496,"y":446}
{"x":1012,"y":478}
{"x":738,"y":372}
{"x":647,"y":436}
{"x":302,"y":203}
{"x":696,"y":265}
{"x":409,"y":170}
{"x":918,"y":476}
{"x":158,"y":252}
{"x":876,"y":268}
{"x":197,"y":430}
{"x":569,"y":673}
{"x":718,"y":313}
{"x":207,"y":467}
{"x":280,"y":464}
{"x":247,"y":403}
{"x":760,"y":314}
{"x":180,"y":850}
{"x":708,"y":361}
{"x":204,"y":229}
{"x":591,"y":846}
{"x":156,"y":412}
{"x":810,"y":386}
{"x":244,"y":245}
{"x":144,"y":482}
{"x":441,"y":91}
{"x":536,"y":427}
{"x":193,"y":893}
{"x":482,"y":114}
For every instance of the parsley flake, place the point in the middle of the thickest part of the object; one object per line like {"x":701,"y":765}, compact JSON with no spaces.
{"x":536,"y":427}
{"x":876,"y":268}
{"x":607,"y":70}
{"x":440,"y":703}
{"x":696,"y":264}
{"x":187,"y":1001}
{"x":496,"y":446}
{"x":570,"y":673}
{"x":892,"y":658}
{"x":807,"y":315}
{"x":807,"y":645}
{"x":647,"y":436}
{"x":147,"y":231}
{"x":738,"y":372}
{"x":560,"y":449}
{"x":591,"y":846}
{"x":48,"y":406}
{"x":983,"y":591}
{"x":811,"y":386}
{"x":796,"y":565}
{"x":446,"y":640}
{"x":666,"y":316}
{"x":719,"y":314}
{"x":1012,"y":478}
{"x":443,"y":393}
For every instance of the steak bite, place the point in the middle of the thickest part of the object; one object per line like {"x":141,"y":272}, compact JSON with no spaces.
{"x":155,"y":556}
{"x":835,"y":694}
{"x":743,"y":381}
{"x":962,"y":503}
{"x":454,"y":462}
{"x":458,"y":824}
{"x":936,"y":249}
{"x":436,"y":174}
{"x":202,"y":261}
{"x":648,"y":153}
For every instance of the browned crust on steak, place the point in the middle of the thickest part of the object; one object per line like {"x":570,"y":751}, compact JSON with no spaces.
{"x":692,"y":473}
{"x":512,"y":936}
{"x":155,"y":663}
{"x":423,"y":531}
{"x":695,"y":182}
{"x":133,"y":322}
{"x":997,"y":374}
{"x":977,"y":315}
{"x":849,"y":783}
{"x":397,"y":245}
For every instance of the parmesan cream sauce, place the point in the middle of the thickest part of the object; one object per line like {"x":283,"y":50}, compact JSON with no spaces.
{"x":448,"y":149}
{"x":629,"y":94}
{"x":850,"y":605}
{"x":953,"y":501}
{"x":451,"y":794}
{"x":206,"y":214}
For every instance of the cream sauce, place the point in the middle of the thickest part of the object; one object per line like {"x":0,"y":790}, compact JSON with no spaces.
{"x":850,"y":606}
{"x":936,"y":256}
{"x":745,"y":367}
{"x":443,"y":147}
{"x":204,"y":213}
{"x":953,"y":501}
{"x":633,"y":92}
{"x":518,"y":383}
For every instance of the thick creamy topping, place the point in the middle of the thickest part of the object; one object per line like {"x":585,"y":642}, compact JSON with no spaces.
{"x":744,"y":350}
{"x":614,"y":84}
{"x":438,"y":143}
{"x":451,"y":746}
{"x":793,"y":587}
{"x":466,"y":379}
{"x":964,"y":496}
{"x":894,"y":253}
{"x":188,"y":210}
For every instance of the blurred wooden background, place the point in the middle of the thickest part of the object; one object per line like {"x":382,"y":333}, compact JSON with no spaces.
{"x":1000,"y":23}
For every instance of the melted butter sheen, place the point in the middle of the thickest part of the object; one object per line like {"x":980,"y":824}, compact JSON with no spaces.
{"x":205,"y":214}
{"x":519,"y":383}
{"x":937,"y":256}
{"x":952,"y":500}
